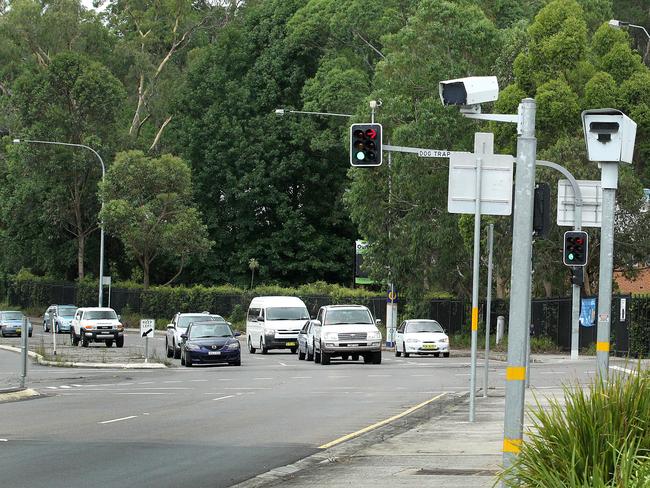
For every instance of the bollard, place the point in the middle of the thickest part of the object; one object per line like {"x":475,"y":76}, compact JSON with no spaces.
{"x":501,"y":326}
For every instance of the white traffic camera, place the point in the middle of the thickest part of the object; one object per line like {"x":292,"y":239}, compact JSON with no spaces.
{"x":469,"y":91}
{"x":609,"y":135}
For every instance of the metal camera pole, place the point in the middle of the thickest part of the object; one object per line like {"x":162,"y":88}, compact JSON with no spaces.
{"x":520,"y":284}
{"x":609,"y":181}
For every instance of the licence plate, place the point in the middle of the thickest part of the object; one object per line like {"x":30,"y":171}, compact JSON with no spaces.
{"x":18,"y":330}
{"x":291,"y":343}
{"x":214,"y":353}
{"x":429,"y":346}
{"x":353,"y":345}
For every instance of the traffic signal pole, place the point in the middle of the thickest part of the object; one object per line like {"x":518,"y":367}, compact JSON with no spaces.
{"x":609,"y":181}
{"x":520,"y":284}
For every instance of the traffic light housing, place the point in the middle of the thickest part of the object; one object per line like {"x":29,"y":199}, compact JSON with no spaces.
{"x":576,"y":245}
{"x":365,"y":144}
{"x":577,"y":276}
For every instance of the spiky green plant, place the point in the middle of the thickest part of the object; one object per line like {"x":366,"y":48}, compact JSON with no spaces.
{"x":598,"y":437}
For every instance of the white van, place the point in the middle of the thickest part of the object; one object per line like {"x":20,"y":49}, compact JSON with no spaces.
{"x":274,"y":323}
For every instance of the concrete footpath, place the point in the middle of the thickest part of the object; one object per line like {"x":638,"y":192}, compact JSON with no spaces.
{"x":444,"y":450}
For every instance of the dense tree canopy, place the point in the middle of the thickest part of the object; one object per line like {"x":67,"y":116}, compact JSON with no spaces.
{"x":201,"y":81}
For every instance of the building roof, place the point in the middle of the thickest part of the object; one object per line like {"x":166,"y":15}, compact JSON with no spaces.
{"x":640,"y":284}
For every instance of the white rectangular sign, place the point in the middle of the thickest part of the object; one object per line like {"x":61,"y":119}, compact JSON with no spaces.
{"x":592,"y":201}
{"x":147,"y":327}
{"x":496,"y":183}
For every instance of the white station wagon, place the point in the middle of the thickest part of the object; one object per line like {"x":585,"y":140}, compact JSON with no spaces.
{"x":421,"y":337}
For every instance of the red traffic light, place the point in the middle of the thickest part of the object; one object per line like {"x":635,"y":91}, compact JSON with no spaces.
{"x":365,"y":144}
{"x":371,"y":133}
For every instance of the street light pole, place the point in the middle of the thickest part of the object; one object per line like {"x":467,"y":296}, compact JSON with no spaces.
{"x":101,"y":223}
{"x":618,"y":24}
{"x":282,"y":111}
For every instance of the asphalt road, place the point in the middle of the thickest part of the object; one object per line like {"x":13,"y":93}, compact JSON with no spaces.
{"x":211,"y":426}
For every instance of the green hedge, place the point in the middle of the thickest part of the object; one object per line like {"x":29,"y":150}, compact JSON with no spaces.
{"x":639,"y":331}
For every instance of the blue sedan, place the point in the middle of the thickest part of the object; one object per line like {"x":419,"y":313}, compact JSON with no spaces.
{"x":12,"y":323}
{"x":210,"y":342}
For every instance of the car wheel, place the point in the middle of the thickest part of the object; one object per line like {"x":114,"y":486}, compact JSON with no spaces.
{"x":436,"y":354}
{"x":445,"y":354}
{"x":188,"y":361}
{"x":316,"y":357}
{"x":376,"y":357}
{"x":84,"y":341}
{"x":29,"y":334}
{"x":45,"y":328}
{"x":355,"y":357}
{"x":367,"y":358}
{"x":263,"y":348}
{"x":406,"y":354}
{"x":109,"y":342}
{"x":119,"y":342}
{"x":182,"y":359}
{"x":236,"y":363}
{"x":73,"y":337}
{"x":325,"y":358}
{"x":301,"y":355}
{"x":398,"y":353}
{"x":170,"y":353}
{"x":177,"y":352}
{"x":251,"y":349}
{"x":310,"y":356}
{"x":345,"y":357}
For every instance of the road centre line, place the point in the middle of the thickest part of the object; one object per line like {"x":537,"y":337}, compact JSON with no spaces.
{"x":380,"y":423}
{"x":223,"y":397}
{"x":117,"y":420}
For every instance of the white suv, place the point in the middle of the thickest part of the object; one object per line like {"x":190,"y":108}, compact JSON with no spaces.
{"x":348,"y":332}
{"x":95,"y":324}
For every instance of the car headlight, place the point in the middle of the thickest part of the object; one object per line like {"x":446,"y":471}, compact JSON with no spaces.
{"x":120,"y":327}
{"x":444,"y":340}
{"x":192,"y":347}
{"x":270,"y":332}
{"x":412,"y":340}
{"x":331,"y":336}
{"x":374,"y":335}
{"x":232,"y":346}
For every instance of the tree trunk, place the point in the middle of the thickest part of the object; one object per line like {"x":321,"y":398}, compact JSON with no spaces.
{"x":548,"y":288}
{"x":501,"y":287}
{"x":81,"y":249}
{"x":145,"y":272}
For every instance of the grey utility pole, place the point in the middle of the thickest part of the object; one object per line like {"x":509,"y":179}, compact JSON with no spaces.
{"x":101,"y":223}
{"x":609,"y":181}
{"x":520,"y":284}
{"x":488,"y":310}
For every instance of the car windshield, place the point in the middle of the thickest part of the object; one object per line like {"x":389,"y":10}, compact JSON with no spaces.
{"x":424,"y":326}
{"x":67,"y":311}
{"x":185,"y":320}
{"x":287,"y":313}
{"x":218,"y":329}
{"x":12,"y":315}
{"x":349,"y":316}
{"x":100,"y":315}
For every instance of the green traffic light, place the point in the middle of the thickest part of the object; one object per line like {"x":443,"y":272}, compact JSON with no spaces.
{"x":361,"y":156}
{"x":571,"y":257}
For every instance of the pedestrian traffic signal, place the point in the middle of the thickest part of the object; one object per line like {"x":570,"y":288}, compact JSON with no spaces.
{"x":577,"y":276}
{"x":575,"y":248}
{"x":365,"y":144}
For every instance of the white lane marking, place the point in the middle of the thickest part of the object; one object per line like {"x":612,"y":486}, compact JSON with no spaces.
{"x":52,"y":387}
{"x":65,"y":386}
{"x":4,"y":440}
{"x":77,"y":385}
{"x":173,"y":381}
{"x":146,"y":383}
{"x":301,"y":377}
{"x":223,"y":397}
{"x":335,"y":377}
{"x":282,"y":364}
{"x":139,"y":393}
{"x":379,"y":375}
{"x":224,"y":379}
{"x":194,"y":381}
{"x":462,"y":374}
{"x":246,"y":388}
{"x":262,"y":378}
{"x":117,"y":420}
{"x":624,"y":370}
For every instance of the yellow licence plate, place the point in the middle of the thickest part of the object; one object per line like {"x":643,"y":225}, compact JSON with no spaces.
{"x":429,"y":346}
{"x":291,"y":343}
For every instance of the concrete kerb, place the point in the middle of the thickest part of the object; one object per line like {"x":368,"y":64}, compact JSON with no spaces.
{"x":14,"y":394}
{"x":338,"y":453}
{"x":71,"y":364}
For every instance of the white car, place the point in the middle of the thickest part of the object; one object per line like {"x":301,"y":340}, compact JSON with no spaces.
{"x":178,"y":326}
{"x":421,"y":337}
{"x":95,"y":324}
